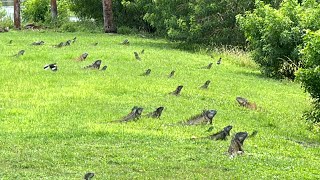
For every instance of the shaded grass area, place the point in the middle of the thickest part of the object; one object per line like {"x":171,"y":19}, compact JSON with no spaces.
{"x":57,"y":125}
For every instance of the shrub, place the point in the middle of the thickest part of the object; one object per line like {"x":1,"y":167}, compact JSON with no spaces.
{"x":272,"y":35}
{"x":69,"y":27}
{"x":35,"y":10}
{"x":309,"y":76}
{"x":5,"y":21}
{"x":191,"y":21}
{"x":127,"y":13}
{"x":126,"y":30}
{"x":276,"y":35}
{"x":39,"y":11}
{"x":201,"y":21}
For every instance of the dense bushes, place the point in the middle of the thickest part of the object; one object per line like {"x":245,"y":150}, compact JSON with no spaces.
{"x":5,"y":21}
{"x":287,"y":39}
{"x":310,"y":74}
{"x":200,"y":21}
{"x":196,"y":21}
{"x":39,"y":11}
{"x":276,"y":35}
{"x":87,"y":9}
{"x":127,"y":13}
{"x":193,"y":21}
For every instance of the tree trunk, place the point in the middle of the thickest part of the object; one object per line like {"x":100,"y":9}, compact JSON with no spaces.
{"x":109,"y":26}
{"x":54,"y":9}
{"x":16,"y":8}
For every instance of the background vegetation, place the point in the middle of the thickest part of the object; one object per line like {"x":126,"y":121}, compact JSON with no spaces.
{"x":38,"y":11}
{"x":280,"y":45}
{"x":5,"y":21}
{"x":310,"y":74}
{"x":192,"y":21}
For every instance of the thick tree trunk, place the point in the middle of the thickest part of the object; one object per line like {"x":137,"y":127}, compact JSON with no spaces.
{"x":16,"y":8}
{"x":109,"y":26}
{"x":54,"y":9}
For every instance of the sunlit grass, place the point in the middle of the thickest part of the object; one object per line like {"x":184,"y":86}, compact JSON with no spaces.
{"x":57,"y":125}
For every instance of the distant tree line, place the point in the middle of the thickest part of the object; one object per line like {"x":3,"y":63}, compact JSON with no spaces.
{"x":196,"y":21}
{"x":193,"y":21}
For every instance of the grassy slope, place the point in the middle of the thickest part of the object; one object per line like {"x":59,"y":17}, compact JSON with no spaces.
{"x":55,"y":125}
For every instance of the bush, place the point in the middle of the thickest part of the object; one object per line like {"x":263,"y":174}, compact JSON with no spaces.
{"x":272,"y":36}
{"x":5,"y":21}
{"x":35,"y":10}
{"x":127,"y":13}
{"x":38,"y":11}
{"x":309,"y":76}
{"x":69,"y":27}
{"x":126,"y":30}
{"x":87,"y":9}
{"x":276,"y":35}
{"x":201,"y":21}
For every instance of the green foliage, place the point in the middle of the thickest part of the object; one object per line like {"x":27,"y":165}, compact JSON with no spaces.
{"x":195,"y":21}
{"x":35,"y":10}
{"x":199,"y":21}
{"x":87,"y":9}
{"x":81,"y":26}
{"x":63,"y":13}
{"x":310,"y":75}
{"x":130,"y":13}
{"x":127,"y":13}
{"x":39,"y":11}
{"x":310,"y":79}
{"x":275,"y":35}
{"x":5,"y":21}
{"x":69,"y":27}
{"x":126,"y":30}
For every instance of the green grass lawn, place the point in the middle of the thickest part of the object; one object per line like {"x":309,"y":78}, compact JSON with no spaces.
{"x":57,"y":125}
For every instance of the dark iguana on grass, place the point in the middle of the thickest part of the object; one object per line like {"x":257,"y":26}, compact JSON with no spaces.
{"x":205,"y":117}
{"x":236,"y":144}
{"x":104,"y":68}
{"x":83,"y":57}
{"x":38,"y":43}
{"x":67,"y":43}
{"x":222,"y":135}
{"x":208,"y":66}
{"x":147,"y":73}
{"x":88,"y":175}
{"x":171,"y":74}
{"x":59,"y":45}
{"x":157,"y":113}
{"x":133,"y":115}
{"x":20,"y":53}
{"x":245,"y":103}
{"x":95,"y":65}
{"x":205,"y":85}
{"x":125,"y":42}
{"x":177,"y":91}
{"x":136,"y":55}
{"x":74,"y":39}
